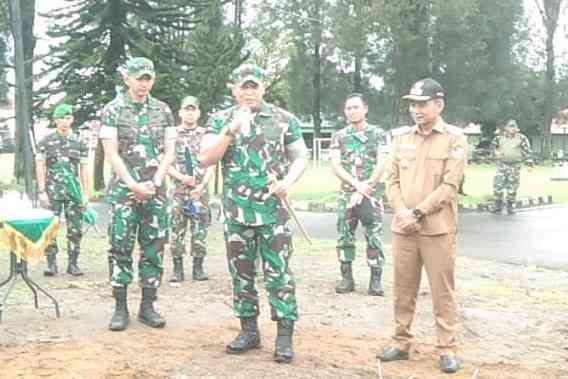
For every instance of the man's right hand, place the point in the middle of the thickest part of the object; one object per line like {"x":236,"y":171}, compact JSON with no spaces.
{"x":143,"y":190}
{"x":44,"y":200}
{"x":188,"y":180}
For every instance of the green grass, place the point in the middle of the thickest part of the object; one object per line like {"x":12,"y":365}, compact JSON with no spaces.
{"x":319,"y":183}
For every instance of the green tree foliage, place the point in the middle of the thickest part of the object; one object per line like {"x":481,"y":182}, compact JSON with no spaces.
{"x":97,"y":36}
{"x":214,"y":50}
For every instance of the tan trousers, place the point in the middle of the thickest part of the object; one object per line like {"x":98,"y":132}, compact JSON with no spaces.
{"x":437,"y":254}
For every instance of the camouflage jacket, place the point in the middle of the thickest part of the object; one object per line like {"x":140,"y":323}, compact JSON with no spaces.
{"x":358,"y":151}
{"x":251,"y":161}
{"x":141,"y":130}
{"x":524,"y":147}
{"x":61,"y":155}
{"x":188,"y":140}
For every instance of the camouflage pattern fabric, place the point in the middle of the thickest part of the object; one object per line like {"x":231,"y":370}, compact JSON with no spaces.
{"x":141,"y":130}
{"x":257,"y":223}
{"x":63,"y":155}
{"x":372,"y":221}
{"x":358,"y":154}
{"x":274,"y":244}
{"x":190,"y":139}
{"x":60,"y":154}
{"x":508,"y":174}
{"x":251,"y":161}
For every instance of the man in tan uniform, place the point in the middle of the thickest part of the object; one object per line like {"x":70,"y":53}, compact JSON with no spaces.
{"x":424,"y":171}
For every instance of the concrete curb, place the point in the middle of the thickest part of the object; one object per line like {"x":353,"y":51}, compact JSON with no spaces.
{"x":522,"y":203}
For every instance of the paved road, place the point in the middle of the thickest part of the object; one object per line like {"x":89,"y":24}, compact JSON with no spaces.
{"x":536,"y":236}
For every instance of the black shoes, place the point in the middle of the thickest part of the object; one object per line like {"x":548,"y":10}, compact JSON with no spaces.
{"x":72,"y":268}
{"x":198,"y":273}
{"x":147,"y":315}
{"x":283,"y":347}
{"x":247,"y":339}
{"x":120,"y":318}
{"x":375,"y":288}
{"x":449,"y":363}
{"x":391,"y":354}
{"x":347,"y":283}
{"x":51,"y":269}
{"x":178,"y":274}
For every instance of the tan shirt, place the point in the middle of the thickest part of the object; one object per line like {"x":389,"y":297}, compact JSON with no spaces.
{"x":424,"y":172}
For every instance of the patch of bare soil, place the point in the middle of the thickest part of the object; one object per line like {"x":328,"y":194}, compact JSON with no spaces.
{"x":513,"y":326}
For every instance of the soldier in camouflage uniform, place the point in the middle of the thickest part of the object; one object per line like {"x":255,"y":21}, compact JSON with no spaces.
{"x":263,"y":154}
{"x":138,"y":134}
{"x":510,"y":149}
{"x":59,"y":154}
{"x":191,"y":196}
{"x":358,"y":155}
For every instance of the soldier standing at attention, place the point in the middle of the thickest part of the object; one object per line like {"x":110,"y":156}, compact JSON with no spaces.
{"x":59,"y":154}
{"x":510,"y":148}
{"x":138,"y":134}
{"x":191,"y":195}
{"x":357,"y":159}
{"x":424,"y":171}
{"x":263,"y":154}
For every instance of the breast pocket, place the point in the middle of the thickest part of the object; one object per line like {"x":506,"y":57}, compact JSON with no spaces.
{"x":435,"y":163}
{"x":406,"y":159}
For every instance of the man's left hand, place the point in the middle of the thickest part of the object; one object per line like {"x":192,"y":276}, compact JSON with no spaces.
{"x":195,"y":193}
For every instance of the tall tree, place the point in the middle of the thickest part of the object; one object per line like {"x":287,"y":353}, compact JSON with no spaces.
{"x":98,"y":35}
{"x":549,"y":11}
{"x":22,"y":16}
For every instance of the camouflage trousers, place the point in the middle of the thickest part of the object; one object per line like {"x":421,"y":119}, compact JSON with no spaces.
{"x":74,"y":226}
{"x":146,"y":221}
{"x":273,"y":242}
{"x":371,"y":217}
{"x":507,"y":179}
{"x":198,"y":225}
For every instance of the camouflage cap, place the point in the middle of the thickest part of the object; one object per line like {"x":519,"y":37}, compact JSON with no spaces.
{"x":425,"y":89}
{"x":248,"y":73}
{"x":189,"y":101}
{"x":139,"y":66}
{"x":61,"y":111}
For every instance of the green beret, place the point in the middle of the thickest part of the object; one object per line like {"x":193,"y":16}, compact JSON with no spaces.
{"x":62,"y":110}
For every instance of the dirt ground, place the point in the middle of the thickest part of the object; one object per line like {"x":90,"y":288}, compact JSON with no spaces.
{"x":513,"y":325}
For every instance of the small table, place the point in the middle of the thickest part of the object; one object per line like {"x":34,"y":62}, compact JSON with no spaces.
{"x":27,"y":233}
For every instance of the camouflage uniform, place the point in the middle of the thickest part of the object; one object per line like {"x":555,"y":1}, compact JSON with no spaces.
{"x":358,"y":153}
{"x":189,"y":139}
{"x":142,"y":129}
{"x":507,"y":176}
{"x":254,"y":220}
{"x":63,"y":155}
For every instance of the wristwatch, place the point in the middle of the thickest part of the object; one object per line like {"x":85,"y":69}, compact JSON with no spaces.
{"x":417,"y":214}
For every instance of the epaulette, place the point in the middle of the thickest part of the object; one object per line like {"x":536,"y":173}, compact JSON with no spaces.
{"x":454,"y":130}
{"x":400,"y":131}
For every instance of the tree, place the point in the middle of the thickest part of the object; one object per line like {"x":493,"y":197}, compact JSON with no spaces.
{"x":98,"y":35}
{"x":549,"y":12}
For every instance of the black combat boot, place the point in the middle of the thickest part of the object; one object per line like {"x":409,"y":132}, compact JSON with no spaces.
{"x":178,"y":274}
{"x":511,"y":207}
{"x":283,"y":348}
{"x":51,"y":268}
{"x":120,"y":318}
{"x":147,"y":315}
{"x":72,"y":268}
{"x":198,"y":272}
{"x":247,"y":339}
{"x":498,"y":207}
{"x":375,"y":288}
{"x":347,"y":283}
